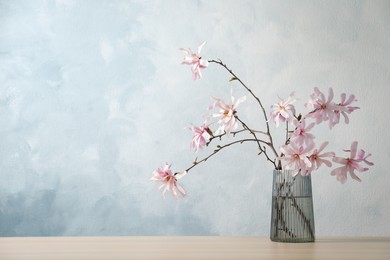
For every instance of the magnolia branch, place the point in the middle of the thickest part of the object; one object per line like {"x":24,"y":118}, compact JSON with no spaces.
{"x":268,"y":133}
{"x":262,"y":149}
{"x":233,"y":133}
{"x":287,"y":134}
{"x":219,"y":148}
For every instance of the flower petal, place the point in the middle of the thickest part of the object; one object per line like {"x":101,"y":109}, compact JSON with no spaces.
{"x":180,"y":175}
{"x":200,"y":47}
{"x":353,"y":149}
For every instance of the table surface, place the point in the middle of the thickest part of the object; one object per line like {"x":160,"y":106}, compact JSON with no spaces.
{"x":191,"y":248}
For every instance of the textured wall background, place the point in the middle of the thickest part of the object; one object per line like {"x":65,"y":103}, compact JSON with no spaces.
{"x":93,"y":98}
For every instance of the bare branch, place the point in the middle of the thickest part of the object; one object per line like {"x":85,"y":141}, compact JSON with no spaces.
{"x":219,"y":148}
{"x":256,"y":98}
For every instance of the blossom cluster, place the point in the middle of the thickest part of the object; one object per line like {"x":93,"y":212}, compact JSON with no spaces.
{"x":298,"y":152}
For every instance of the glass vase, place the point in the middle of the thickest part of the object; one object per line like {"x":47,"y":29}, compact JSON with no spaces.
{"x":292,"y":217}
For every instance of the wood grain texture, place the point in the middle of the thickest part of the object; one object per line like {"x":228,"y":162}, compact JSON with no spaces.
{"x":190,"y":248}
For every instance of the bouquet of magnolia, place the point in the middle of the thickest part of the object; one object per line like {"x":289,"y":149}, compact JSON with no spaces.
{"x":299,"y":152}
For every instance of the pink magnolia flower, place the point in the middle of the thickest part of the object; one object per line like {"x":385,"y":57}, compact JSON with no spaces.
{"x":195,"y":60}
{"x":351,"y":163}
{"x":344,"y":108}
{"x":201,"y":136}
{"x":322,"y":109}
{"x":284,"y":110}
{"x":296,"y":158}
{"x":317,"y":159}
{"x":301,"y":133}
{"x":169,"y":180}
{"x":227,"y":112}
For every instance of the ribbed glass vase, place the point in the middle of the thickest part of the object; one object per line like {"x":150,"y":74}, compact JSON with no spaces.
{"x":292,"y":217}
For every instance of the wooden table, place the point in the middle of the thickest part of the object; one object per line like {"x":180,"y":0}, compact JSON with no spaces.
{"x":203,"y":248}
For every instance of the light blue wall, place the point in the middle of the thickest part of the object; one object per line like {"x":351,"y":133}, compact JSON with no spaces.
{"x":93,"y":98}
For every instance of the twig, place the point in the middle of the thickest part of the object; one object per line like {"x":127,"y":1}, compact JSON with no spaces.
{"x":218,"y":149}
{"x":268,"y":133}
{"x":287,"y":138}
{"x":233,"y":133}
{"x":262,"y":149}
